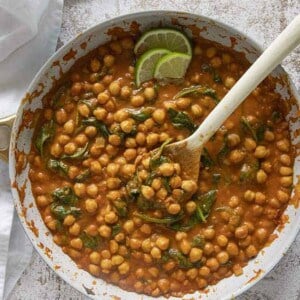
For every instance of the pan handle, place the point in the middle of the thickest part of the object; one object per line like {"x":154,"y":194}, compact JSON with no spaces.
{"x":5,"y":133}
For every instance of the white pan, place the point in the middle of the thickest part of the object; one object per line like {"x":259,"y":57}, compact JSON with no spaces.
{"x":21,"y":140}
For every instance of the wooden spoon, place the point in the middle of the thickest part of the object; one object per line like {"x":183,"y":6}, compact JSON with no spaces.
{"x":188,"y":151}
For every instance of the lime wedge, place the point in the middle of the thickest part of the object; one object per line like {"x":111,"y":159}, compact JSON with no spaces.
{"x":170,"y":39}
{"x":146,"y":63}
{"x":172,"y":65}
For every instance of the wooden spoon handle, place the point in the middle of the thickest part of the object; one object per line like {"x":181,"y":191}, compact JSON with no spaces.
{"x":270,"y":58}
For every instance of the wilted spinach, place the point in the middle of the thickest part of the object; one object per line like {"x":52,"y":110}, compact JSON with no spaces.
{"x":206,"y":159}
{"x":89,"y":241}
{"x":61,"y":211}
{"x":166,"y":220}
{"x":101,"y":127}
{"x":84,"y":175}
{"x":81,"y":153}
{"x":65,"y":195}
{"x":58,"y":166}
{"x":197,"y":90}
{"x":45,"y":134}
{"x":181,"y":120}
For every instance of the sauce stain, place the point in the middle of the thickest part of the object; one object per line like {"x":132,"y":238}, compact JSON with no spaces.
{"x":70,"y":55}
{"x":257,"y":274}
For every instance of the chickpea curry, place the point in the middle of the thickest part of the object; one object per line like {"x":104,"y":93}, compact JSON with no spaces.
{"x":128,"y":214}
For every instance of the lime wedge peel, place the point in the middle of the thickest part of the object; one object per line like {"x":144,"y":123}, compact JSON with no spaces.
{"x":173,"y":65}
{"x":170,"y":39}
{"x":146,"y":63}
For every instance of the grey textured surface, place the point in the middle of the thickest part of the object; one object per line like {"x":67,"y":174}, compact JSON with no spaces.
{"x":263,"y":20}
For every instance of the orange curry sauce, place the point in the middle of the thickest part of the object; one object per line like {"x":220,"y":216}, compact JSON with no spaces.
{"x":104,"y":202}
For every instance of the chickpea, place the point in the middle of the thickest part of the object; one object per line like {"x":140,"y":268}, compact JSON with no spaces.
{"x":286,"y":181}
{"x":236,"y":156}
{"x":261,"y":152}
{"x":232,"y":249}
{"x":183,"y":103}
{"x":283,"y":145}
{"x":146,"y":245}
{"x":152,"y":139}
{"x":105,"y":254}
{"x":162,"y":243}
{"x":135,"y":244}
{"x":285,"y":159}
{"x":127,"y":125}
{"x":109,"y":60}
{"x":124,"y":268}
{"x":282,"y":196}
{"x":112,"y":169}
{"x":70,"y":148}
{"x":113,"y":195}
{"x":95,"y":258}
{"x":237,"y":270}
{"x":90,"y":131}
{"x":75,"y":229}
{"x":76,"y":243}
{"x":261,"y":176}
{"x":81,"y":139}
{"x":166,"y":169}
{"x":233,"y":139}
{"x":98,"y":88}
{"x":147,"y":192}
{"x":137,"y":100}
{"x":69,"y":220}
{"x":185,"y":246}
{"x":222,"y":240}
{"x":100,"y":113}
{"x":189,"y":186}
{"x":174,"y":208}
{"x":249,"y":196}
{"x":63,"y":139}
{"x":204,"y":271}
{"x":117,"y":260}
{"x":155,"y":253}
{"x":113,"y":183}
{"x":83,"y":110}
{"x":260,"y":198}
{"x":149,"y":93}
{"x":209,"y":233}
{"x":91,"y":205}
{"x":104,"y":231}
{"x":69,"y":127}
{"x":56,"y":150}
{"x":261,"y":235}
{"x":92,"y":190}
{"x":229,"y":82}
{"x":140,"y":138}
{"x":285,"y":171}
{"x":128,"y":170}
{"x":190,"y":207}
{"x":180,"y":236}
{"x":128,"y":226}
{"x":94,"y":270}
{"x":42,"y":201}
{"x":159,"y":115}
{"x":95,"y":65}
{"x":251,"y":251}
{"x":76,"y":89}
{"x":195,"y":255}
{"x":249,"y":144}
{"x":241,"y":232}
{"x":164,"y":285}
{"x":102,"y":98}
{"x":106,"y":264}
{"x":213,"y":264}
{"x":126,"y":92}
{"x":211,"y":52}
{"x":114,"y":88}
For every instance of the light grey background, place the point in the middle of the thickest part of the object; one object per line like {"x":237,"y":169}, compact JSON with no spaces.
{"x":263,"y":20}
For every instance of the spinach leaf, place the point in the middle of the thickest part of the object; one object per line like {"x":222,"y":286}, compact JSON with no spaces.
{"x":116,"y":229}
{"x":166,"y":184}
{"x":181,"y":259}
{"x":142,"y":115}
{"x":205,"y":203}
{"x":276,"y":116}
{"x":248,"y":171}
{"x":157,"y":158}
{"x":224,"y":149}
{"x":197,"y":90}
{"x":181,"y":120}
{"x":166,"y":220}
{"x":84,"y":175}
{"x":89,"y":102}
{"x":60,"y":211}
{"x":56,"y":99}
{"x":101,"y":127}
{"x":260,"y":132}
{"x":215,"y":75}
{"x":198,"y":241}
{"x":206,"y":159}
{"x":133,"y":187}
{"x":145,"y":205}
{"x":121,"y":207}
{"x":65,"y":195}
{"x":46,"y":133}
{"x":248,"y":127}
{"x":89,"y":241}
{"x":216,"y":179}
{"x":58,"y":166}
{"x":81,"y":153}
{"x":150,"y":177}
